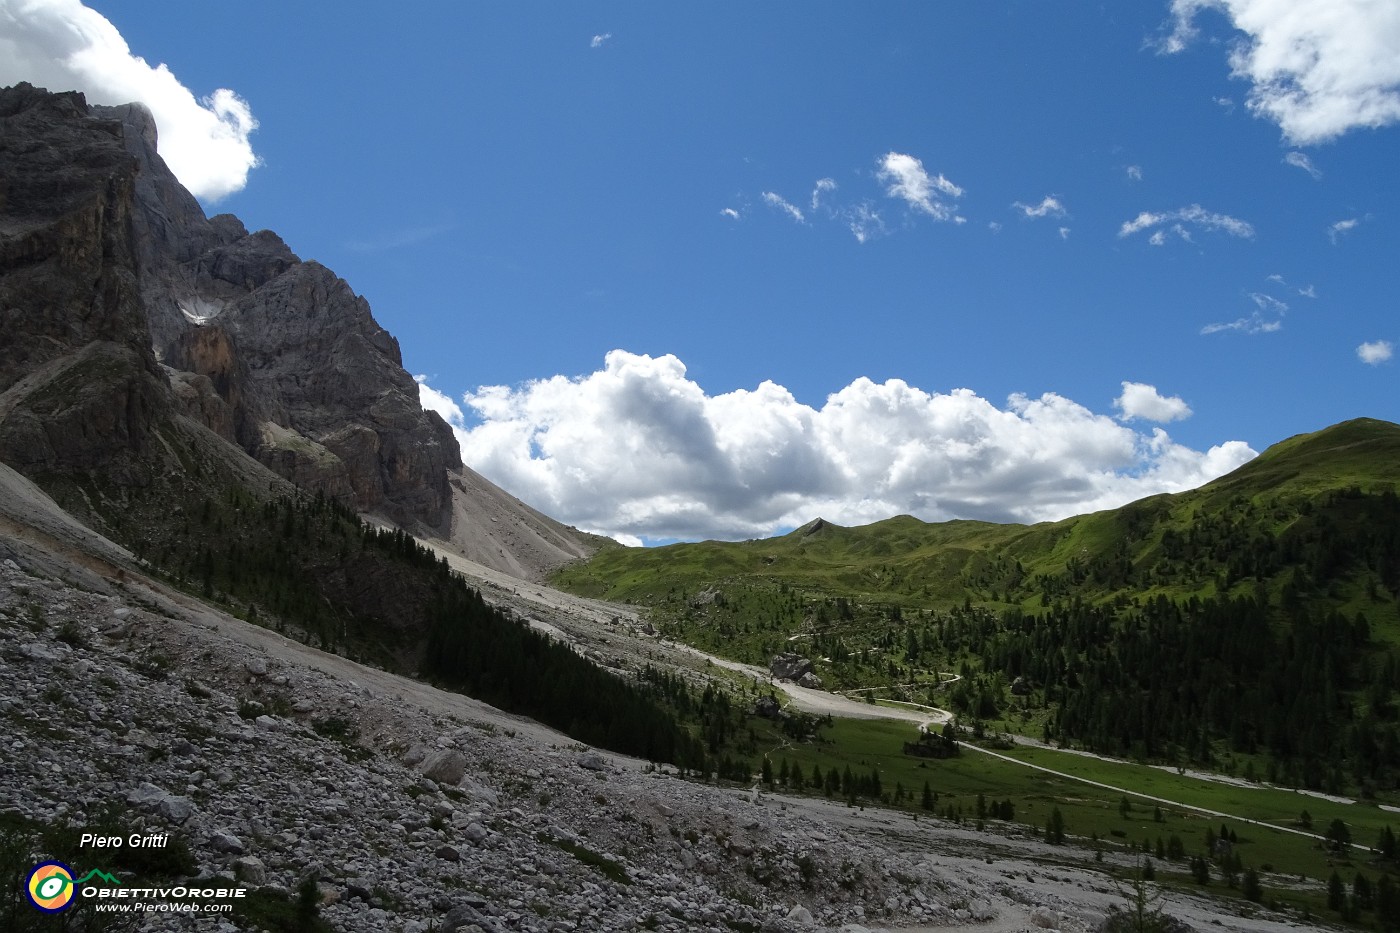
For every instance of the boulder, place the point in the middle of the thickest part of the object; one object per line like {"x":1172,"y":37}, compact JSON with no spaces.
{"x":224,"y":841}
{"x":706,"y":597}
{"x":446,"y":766}
{"x":250,"y":869}
{"x":145,"y":795}
{"x":802,"y":915}
{"x":789,"y":666}
{"x":176,"y":809}
{"x":479,"y":792}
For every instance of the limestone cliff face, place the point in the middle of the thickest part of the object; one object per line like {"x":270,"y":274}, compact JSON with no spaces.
{"x":101,"y":248}
{"x":314,"y":387}
{"x":80,"y":388}
{"x":149,"y":353}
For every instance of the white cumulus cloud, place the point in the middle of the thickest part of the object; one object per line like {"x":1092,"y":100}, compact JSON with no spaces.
{"x":433,"y":400}
{"x":906,"y":178}
{"x":639,"y":449}
{"x":1143,"y":401}
{"x":1375,"y":352}
{"x":65,"y":46}
{"x":598,"y":40}
{"x":1317,"y":68}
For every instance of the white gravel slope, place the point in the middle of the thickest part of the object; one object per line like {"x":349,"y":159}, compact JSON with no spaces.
{"x":474,"y":845}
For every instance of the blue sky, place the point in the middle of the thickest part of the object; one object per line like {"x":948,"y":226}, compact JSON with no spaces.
{"x":805,"y":229}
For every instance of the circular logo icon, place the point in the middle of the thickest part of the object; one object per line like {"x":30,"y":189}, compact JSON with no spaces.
{"x":50,"y":887}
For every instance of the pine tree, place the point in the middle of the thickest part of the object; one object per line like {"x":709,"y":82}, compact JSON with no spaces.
{"x":1253,"y":890}
{"x":1230,"y":865}
{"x":1387,"y":903}
{"x":1336,"y":893}
{"x":1361,"y":892}
{"x":1200,"y":869}
{"x":1144,"y":913}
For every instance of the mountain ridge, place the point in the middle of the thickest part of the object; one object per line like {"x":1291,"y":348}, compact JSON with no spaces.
{"x":206,"y":346}
{"x":1358,"y":453}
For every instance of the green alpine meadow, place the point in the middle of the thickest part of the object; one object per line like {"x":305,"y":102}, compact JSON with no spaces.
{"x":1251,"y":623}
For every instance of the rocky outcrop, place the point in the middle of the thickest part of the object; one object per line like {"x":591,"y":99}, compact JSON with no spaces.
{"x":314,"y":387}
{"x":122,"y":306}
{"x":129,"y":317}
{"x":794,"y":667}
{"x":80,"y":389}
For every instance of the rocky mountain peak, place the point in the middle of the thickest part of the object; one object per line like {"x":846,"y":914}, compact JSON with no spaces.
{"x":296,"y":370}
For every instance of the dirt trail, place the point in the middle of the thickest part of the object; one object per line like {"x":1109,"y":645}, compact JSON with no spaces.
{"x":575,"y":609}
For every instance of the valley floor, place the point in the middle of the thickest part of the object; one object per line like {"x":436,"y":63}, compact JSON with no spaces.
{"x":407,"y":806}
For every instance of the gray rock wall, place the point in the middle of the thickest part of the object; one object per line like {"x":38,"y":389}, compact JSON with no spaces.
{"x":109,"y":269}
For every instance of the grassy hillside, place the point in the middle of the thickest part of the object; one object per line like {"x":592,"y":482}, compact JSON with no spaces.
{"x":1331,"y":484}
{"x":1251,"y":621}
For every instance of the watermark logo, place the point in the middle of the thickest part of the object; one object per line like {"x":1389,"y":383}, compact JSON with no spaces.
{"x":50,"y":887}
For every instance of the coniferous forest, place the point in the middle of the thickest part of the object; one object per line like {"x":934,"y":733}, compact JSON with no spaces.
{"x":475,"y":648}
{"x":312,"y":569}
{"x":1252,"y":624}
